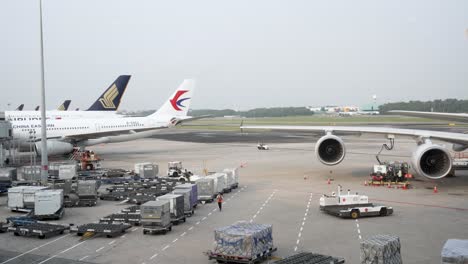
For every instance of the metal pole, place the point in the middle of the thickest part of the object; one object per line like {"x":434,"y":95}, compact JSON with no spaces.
{"x":44,"y":158}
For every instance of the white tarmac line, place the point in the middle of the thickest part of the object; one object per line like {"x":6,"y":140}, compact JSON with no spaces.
{"x":36,"y":248}
{"x":54,"y":256}
{"x":83,"y":258}
{"x":99,"y":249}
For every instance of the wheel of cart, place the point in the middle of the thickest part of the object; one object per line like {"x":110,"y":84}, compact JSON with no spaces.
{"x":355,"y":214}
{"x":383,"y":211}
{"x":157,"y":229}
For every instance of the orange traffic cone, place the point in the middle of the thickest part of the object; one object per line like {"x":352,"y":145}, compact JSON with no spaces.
{"x":365,"y":183}
{"x":435,"y":189}
{"x":389,"y":186}
{"x":328,"y":182}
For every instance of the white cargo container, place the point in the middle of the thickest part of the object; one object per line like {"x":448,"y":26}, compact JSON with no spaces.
{"x":22,"y":197}
{"x":235,"y":174}
{"x":48,"y":204}
{"x":229,"y":178}
{"x":67,"y":171}
{"x":148,"y":171}
{"x":156,"y":213}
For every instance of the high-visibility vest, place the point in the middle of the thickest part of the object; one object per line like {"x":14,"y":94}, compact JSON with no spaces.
{"x":220,"y":198}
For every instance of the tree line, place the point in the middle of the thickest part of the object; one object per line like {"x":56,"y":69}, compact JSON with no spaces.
{"x":447,"y":105}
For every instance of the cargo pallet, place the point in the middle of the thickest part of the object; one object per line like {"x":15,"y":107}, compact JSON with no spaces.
{"x":129,"y":218}
{"x":41,"y":230}
{"x":132,"y":209}
{"x":110,"y":230}
{"x":154,"y":229}
{"x":87,"y":201}
{"x":310,"y":258}
{"x":404,"y":185}
{"x":220,"y":258}
{"x":114,"y":196}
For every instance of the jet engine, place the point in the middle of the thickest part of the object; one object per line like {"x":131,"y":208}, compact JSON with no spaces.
{"x":330,"y":150}
{"x":55,"y":147}
{"x":432,"y":161}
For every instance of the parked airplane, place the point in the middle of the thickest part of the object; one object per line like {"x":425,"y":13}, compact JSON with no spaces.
{"x":64,"y":106}
{"x":429,"y":160}
{"x":104,"y":107}
{"x":20,"y":107}
{"x":458,"y":117}
{"x":64,"y":135}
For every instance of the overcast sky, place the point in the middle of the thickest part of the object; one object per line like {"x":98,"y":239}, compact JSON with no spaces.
{"x":243,"y":54}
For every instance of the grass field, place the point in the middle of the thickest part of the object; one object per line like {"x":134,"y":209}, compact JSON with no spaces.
{"x":231,"y":124}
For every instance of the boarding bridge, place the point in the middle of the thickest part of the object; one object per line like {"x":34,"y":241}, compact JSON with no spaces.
{"x":5,"y":137}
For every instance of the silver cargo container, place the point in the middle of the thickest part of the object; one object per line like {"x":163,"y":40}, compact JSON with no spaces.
{"x":176,"y":202}
{"x":188,"y":206}
{"x":8,"y":174}
{"x":31,"y":173}
{"x":67,"y":171}
{"x":87,"y":188}
{"x":229,"y":178}
{"x":151,"y":168}
{"x":48,"y":202}
{"x":156,"y":213}
{"x":206,"y":189}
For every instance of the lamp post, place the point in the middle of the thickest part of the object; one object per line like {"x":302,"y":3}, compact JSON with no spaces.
{"x":44,"y":158}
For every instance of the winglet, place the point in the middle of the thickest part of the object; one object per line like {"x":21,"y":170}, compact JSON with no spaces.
{"x":110,"y":99}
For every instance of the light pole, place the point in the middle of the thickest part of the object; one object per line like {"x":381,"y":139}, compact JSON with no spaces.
{"x":44,"y":158}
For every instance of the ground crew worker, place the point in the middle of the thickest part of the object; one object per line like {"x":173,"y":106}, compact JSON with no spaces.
{"x":219,"y":198}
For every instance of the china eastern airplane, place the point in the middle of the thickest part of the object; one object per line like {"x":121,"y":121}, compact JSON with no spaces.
{"x":64,"y":135}
{"x":458,"y":117}
{"x":105,"y":106}
{"x":428,"y":159}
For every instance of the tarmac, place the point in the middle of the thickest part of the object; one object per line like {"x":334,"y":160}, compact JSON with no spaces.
{"x":281,"y":187}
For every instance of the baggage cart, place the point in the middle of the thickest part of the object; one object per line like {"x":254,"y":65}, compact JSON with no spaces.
{"x":310,"y":258}
{"x":3,"y":227}
{"x":188,"y":203}
{"x":109,"y":230}
{"x":129,"y":218}
{"x":156,"y":229}
{"x":41,"y":230}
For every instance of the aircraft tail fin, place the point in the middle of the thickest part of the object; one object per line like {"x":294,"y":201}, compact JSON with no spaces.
{"x":179,"y":103}
{"x":20,"y":107}
{"x":37,"y":108}
{"x":110,"y":99}
{"x":64,"y":106}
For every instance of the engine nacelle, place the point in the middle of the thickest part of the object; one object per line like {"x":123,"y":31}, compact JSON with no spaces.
{"x":55,"y":147}
{"x":330,"y":150}
{"x":432,"y":161}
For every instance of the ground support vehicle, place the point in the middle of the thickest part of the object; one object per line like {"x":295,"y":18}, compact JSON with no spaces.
{"x":41,"y":230}
{"x":352,"y":205}
{"x":109,"y":230}
{"x":310,"y":258}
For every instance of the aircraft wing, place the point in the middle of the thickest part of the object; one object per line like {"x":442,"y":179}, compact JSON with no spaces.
{"x":190,"y":119}
{"x":433,"y":115}
{"x":455,"y":138}
{"x":108,"y":134}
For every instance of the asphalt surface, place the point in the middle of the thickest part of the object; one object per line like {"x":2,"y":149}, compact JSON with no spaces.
{"x":279,"y":187}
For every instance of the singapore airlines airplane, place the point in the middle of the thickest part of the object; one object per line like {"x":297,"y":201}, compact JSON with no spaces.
{"x":64,"y":135}
{"x":458,"y":117}
{"x":104,"y":107}
{"x":429,"y":160}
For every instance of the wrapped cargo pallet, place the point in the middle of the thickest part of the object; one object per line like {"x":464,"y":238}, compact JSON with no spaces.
{"x":156,"y":213}
{"x":235,"y":174}
{"x":229,"y":178}
{"x":243,"y":239}
{"x":176,"y":202}
{"x":455,"y":251}
{"x":206,"y":189}
{"x":219,"y":181}
{"x":381,"y":249}
{"x":193,"y":191}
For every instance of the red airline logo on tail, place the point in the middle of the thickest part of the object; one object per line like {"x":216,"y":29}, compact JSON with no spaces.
{"x":176,"y":102}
